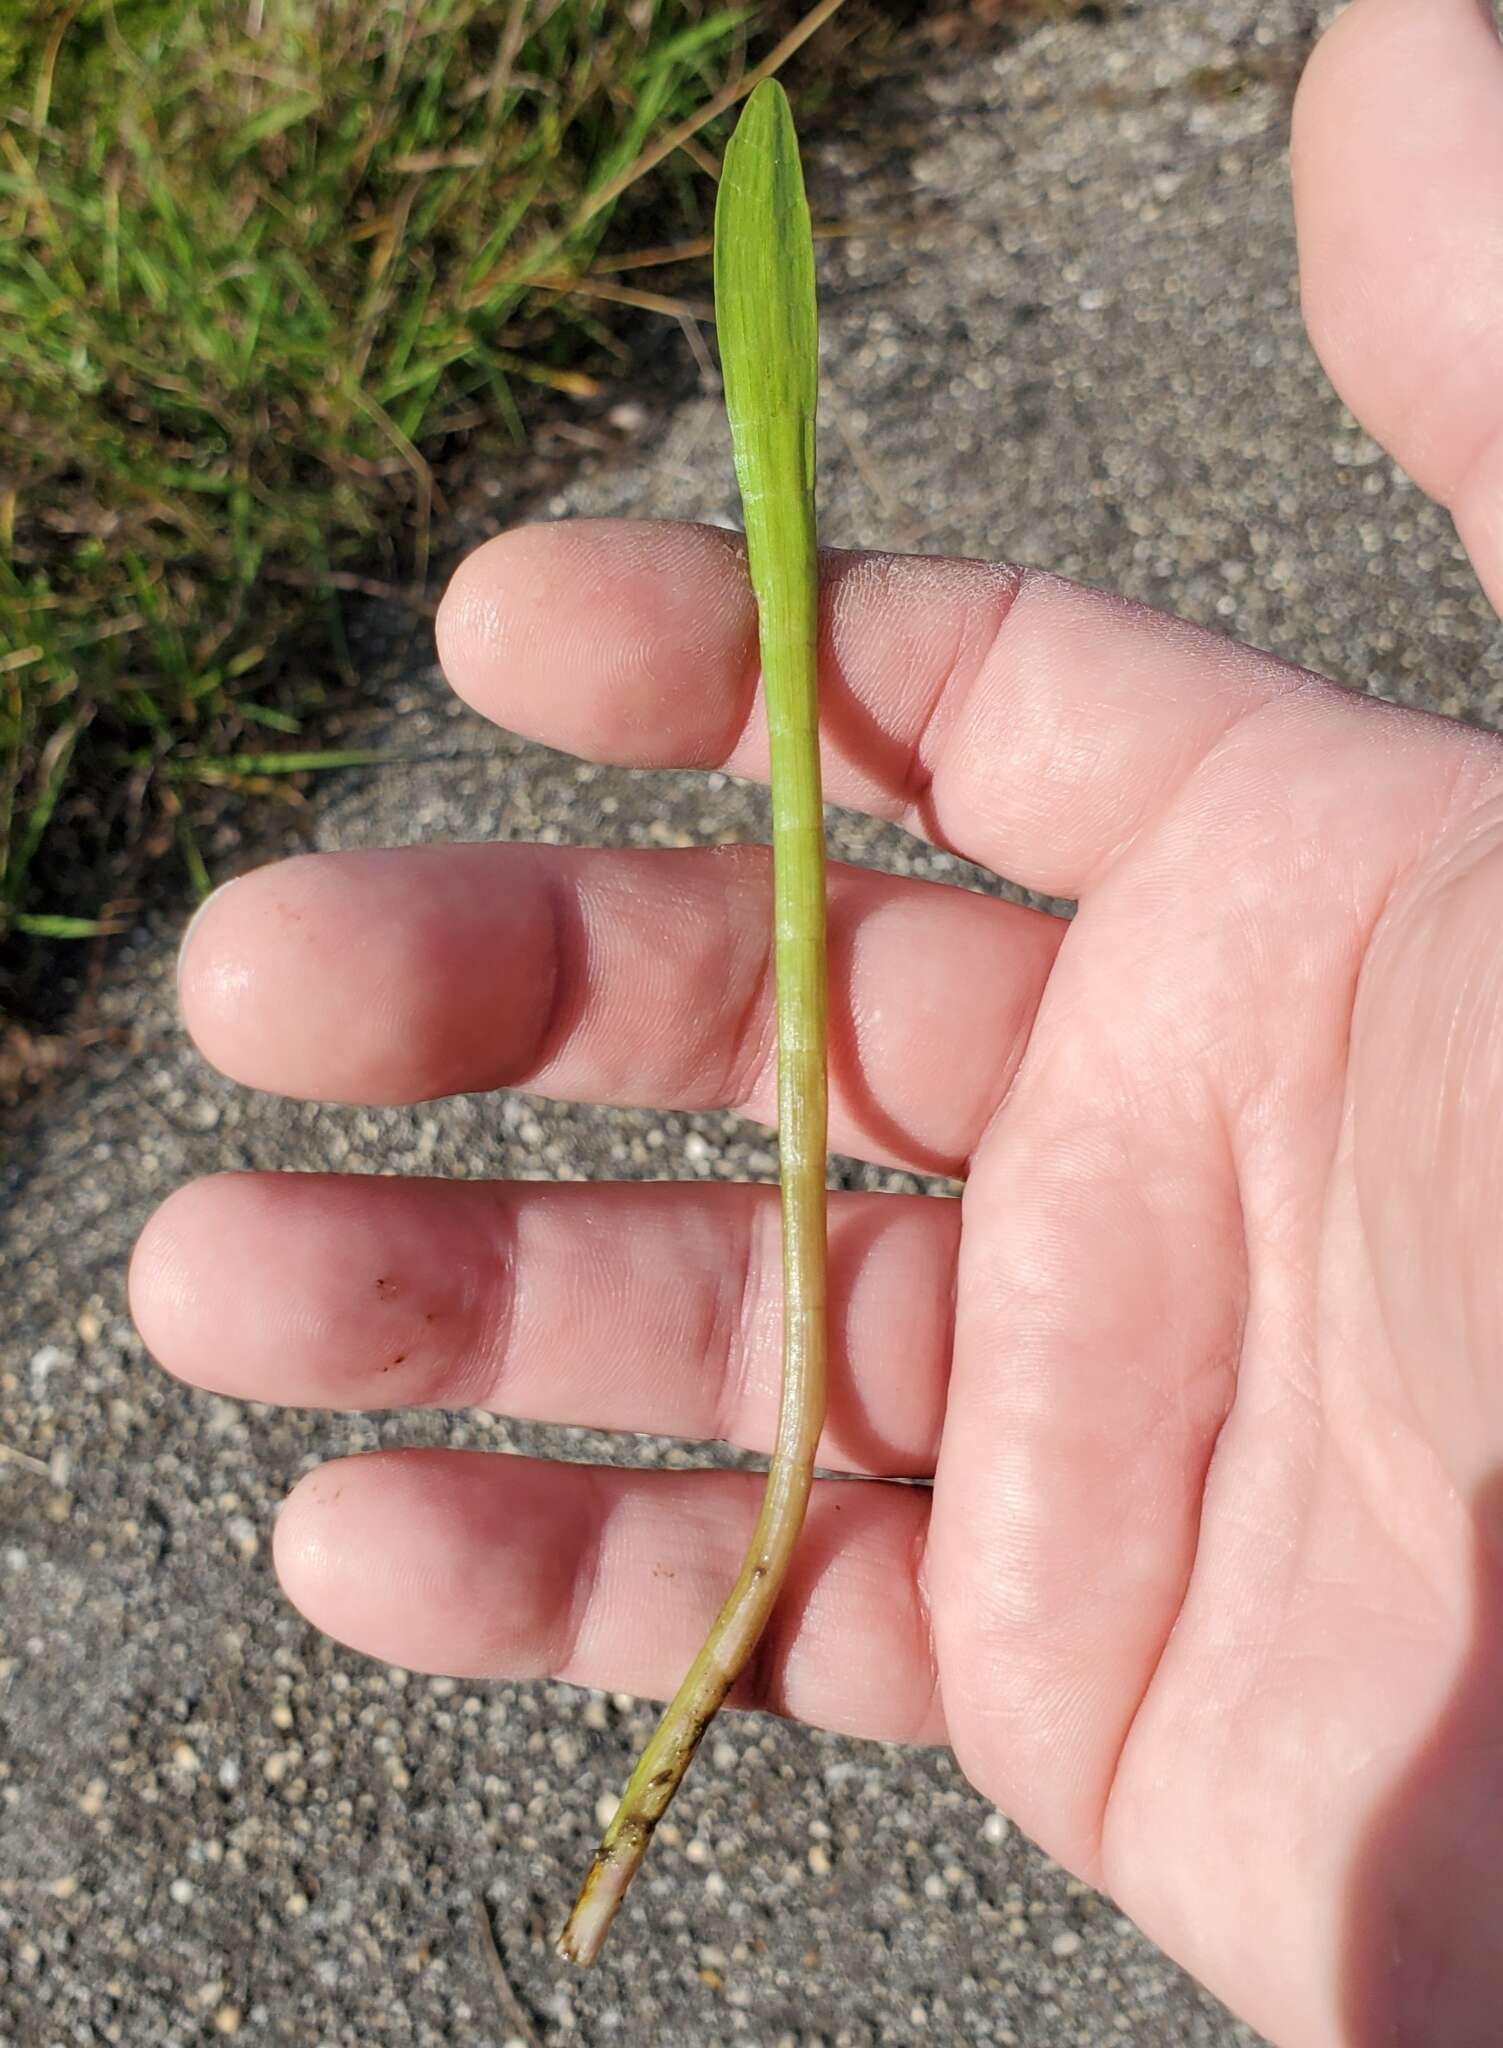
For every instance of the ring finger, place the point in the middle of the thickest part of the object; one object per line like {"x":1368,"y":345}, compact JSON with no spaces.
{"x":652,"y":1308}
{"x":631,"y":978}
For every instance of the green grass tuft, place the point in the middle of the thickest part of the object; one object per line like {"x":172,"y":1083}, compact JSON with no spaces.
{"x":258,"y":259}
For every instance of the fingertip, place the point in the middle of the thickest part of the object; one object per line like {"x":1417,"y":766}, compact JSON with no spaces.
{"x":443,"y":1561}
{"x":199,"y":1297}
{"x":616,"y":640}
{"x":475,"y":614}
{"x":333,"y":1552}
{"x":191,"y":929}
{"x":223,"y":953}
{"x":196,"y":1288}
{"x":303,"y":1538}
{"x":202,"y":1304}
{"x":155,"y":1281}
{"x":377,"y":976}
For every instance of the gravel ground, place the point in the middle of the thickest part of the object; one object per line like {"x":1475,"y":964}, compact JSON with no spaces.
{"x":217,"y":1825}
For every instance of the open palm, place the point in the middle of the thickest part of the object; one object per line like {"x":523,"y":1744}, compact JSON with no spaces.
{"x":1204,"y":1365}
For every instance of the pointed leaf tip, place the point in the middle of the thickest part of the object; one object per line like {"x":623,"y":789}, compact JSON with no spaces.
{"x":764,"y":266}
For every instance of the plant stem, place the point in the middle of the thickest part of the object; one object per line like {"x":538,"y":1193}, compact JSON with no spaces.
{"x":764,"y":293}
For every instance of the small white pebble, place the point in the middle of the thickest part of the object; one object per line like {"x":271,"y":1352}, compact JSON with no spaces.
{"x":1066,"y":1944}
{"x":996,"y":1828}
{"x":819,"y":1860}
{"x":44,"y":1362}
{"x":180,"y":1891}
{"x":605,"y":1809}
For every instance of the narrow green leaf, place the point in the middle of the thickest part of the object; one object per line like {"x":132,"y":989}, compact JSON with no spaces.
{"x":266,"y":714}
{"x":193,"y":860}
{"x":765,"y":314}
{"x":273,"y":120}
{"x":213,"y":768}
{"x":41,"y":925}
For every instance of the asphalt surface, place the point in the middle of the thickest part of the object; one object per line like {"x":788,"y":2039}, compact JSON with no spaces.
{"x":216,"y":1824}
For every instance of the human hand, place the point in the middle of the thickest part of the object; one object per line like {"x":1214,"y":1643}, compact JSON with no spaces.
{"x":1208,"y":1593}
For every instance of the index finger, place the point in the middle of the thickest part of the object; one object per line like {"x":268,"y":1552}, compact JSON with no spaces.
{"x":1027,"y":723}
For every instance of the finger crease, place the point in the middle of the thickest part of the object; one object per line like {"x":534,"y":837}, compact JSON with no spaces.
{"x":931,"y":1716}
{"x":570,"y":977}
{"x":496,"y":1311}
{"x":588,"y":1570}
{"x":953,"y":694}
{"x":750,"y":675}
{"x":1014,"y":1051}
{"x":753,"y":1033}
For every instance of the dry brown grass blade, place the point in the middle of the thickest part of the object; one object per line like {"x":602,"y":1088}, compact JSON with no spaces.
{"x":433,"y":160}
{"x":512,"y":2009}
{"x":362,"y":586}
{"x":866,"y":465}
{"x":41,"y":98}
{"x":651,"y":259}
{"x":824,"y":231}
{"x":511,"y":43}
{"x":626,"y":295}
{"x":701,"y":158}
{"x":9,"y":1455}
{"x":795,"y":39}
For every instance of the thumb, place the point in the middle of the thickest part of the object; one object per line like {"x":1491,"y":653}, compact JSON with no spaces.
{"x":1398,"y":187}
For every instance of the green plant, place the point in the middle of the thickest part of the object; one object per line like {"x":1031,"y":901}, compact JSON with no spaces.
{"x":259,"y":261}
{"x":765,"y":316}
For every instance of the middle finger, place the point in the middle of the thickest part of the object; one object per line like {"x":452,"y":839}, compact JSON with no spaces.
{"x":639,"y":978}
